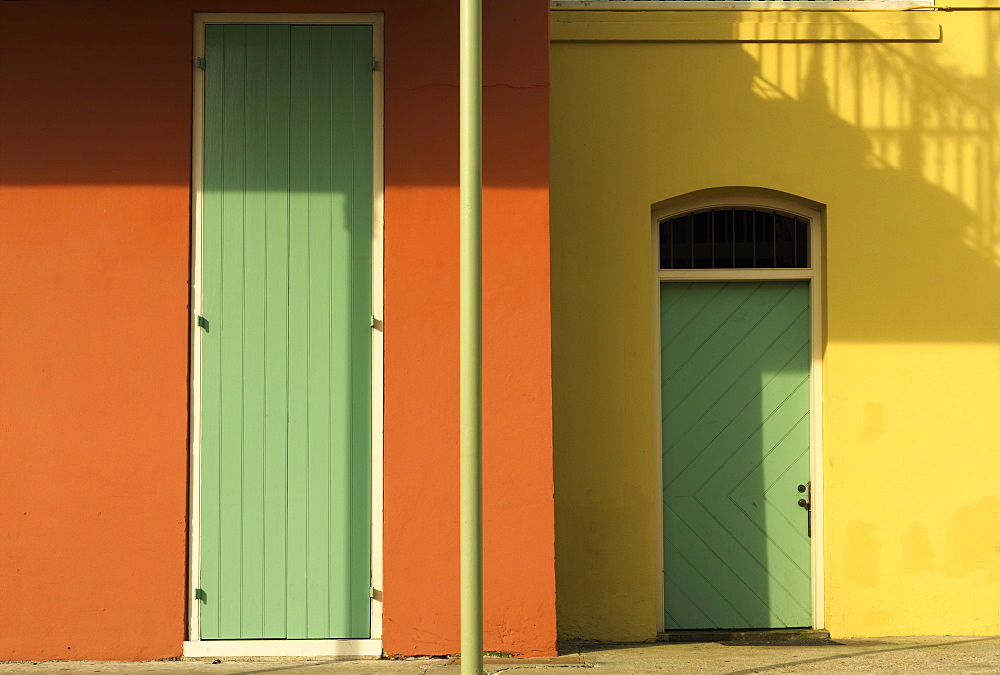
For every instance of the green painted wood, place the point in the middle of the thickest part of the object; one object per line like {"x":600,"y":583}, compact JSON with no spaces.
{"x":735,"y":402}
{"x":286,"y":362}
{"x":254,"y":304}
{"x":357,"y":557}
{"x":276,"y":229}
{"x":230,"y":330}
{"x":298,"y":335}
{"x":211,"y":366}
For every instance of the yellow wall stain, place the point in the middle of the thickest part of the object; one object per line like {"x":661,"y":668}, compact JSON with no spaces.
{"x":874,"y":621}
{"x":863,"y":551}
{"x":974,"y":538}
{"x":918,"y":553}
{"x":872,"y":421}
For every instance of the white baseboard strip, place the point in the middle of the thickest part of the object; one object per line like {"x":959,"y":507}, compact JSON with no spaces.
{"x":294,"y":649}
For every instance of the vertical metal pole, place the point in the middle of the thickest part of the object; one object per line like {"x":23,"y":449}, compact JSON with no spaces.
{"x":470,"y":329}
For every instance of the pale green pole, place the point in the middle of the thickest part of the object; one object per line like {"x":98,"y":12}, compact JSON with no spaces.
{"x":470,"y":333}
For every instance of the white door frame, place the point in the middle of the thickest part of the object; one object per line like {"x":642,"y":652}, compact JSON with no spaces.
{"x":194,"y":646}
{"x":814,"y":213}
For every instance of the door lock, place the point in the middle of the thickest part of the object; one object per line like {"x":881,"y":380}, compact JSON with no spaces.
{"x":806,"y":503}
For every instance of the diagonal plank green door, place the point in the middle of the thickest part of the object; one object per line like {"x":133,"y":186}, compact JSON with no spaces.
{"x":735,"y":391}
{"x":286,"y":357}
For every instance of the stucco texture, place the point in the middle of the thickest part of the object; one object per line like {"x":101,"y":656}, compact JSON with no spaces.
{"x":95,"y":190}
{"x":898,"y":141}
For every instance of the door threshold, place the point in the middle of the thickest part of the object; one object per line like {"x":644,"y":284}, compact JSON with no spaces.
{"x":792,"y":636}
{"x":284,"y":649}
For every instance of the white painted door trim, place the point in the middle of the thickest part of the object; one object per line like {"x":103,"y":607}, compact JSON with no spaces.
{"x":319,"y":649}
{"x":751,"y":197}
{"x":194,"y":646}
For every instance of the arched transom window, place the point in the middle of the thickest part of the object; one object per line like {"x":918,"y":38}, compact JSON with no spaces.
{"x":734,"y":238}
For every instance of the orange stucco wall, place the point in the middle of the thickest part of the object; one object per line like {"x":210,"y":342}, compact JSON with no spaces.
{"x":95,"y":177}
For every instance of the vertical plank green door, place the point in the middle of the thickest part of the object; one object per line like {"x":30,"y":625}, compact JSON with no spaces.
{"x":286,"y":353}
{"x":735,"y":393}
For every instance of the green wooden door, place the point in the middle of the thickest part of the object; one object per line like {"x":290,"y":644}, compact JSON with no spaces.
{"x":735,"y":390}
{"x":286,"y":352}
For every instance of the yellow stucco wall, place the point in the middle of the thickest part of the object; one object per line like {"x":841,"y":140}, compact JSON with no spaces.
{"x":901,"y":143}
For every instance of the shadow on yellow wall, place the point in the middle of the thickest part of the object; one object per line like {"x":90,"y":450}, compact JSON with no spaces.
{"x":896,"y":134}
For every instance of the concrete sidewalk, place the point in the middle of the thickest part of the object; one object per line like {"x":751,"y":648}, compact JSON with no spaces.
{"x":887,"y":655}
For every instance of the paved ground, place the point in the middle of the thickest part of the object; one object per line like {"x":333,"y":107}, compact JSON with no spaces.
{"x":923,"y":655}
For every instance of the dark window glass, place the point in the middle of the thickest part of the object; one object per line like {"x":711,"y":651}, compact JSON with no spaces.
{"x":734,"y":238}
{"x":665,"y":245}
{"x":722,"y":226}
{"x":763,"y":239}
{"x":784,"y":236}
{"x":680,"y":242}
{"x":701,"y":227}
{"x":801,"y":243}
{"x":743,"y":236}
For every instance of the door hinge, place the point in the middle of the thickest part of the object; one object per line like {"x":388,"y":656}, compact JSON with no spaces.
{"x":200,"y":62}
{"x":374,"y":63}
{"x":203,"y":323}
{"x":371,"y":591}
{"x":199,"y":594}
{"x":371,"y":322}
